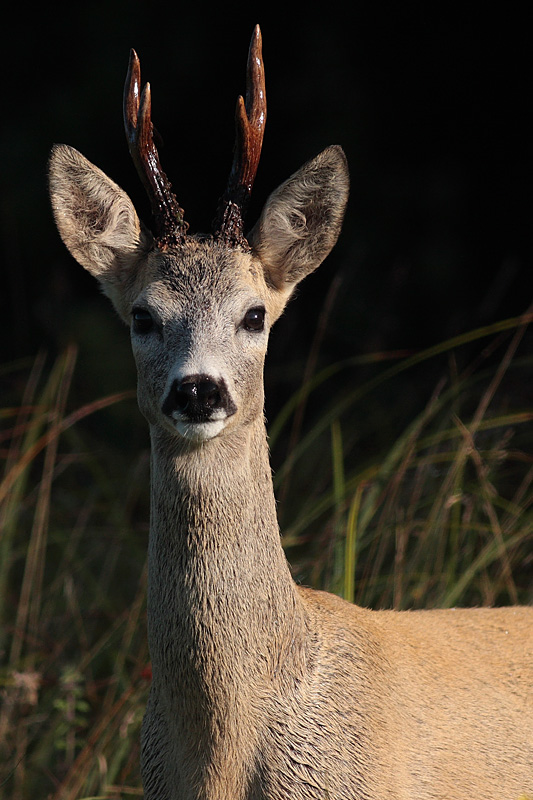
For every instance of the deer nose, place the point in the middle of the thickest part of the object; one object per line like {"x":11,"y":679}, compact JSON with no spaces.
{"x":197,"y":397}
{"x":193,"y":396}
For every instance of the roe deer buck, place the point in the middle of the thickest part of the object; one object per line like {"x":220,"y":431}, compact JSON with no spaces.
{"x":261,"y":688}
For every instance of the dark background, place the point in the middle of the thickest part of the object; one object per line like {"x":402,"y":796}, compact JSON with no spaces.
{"x":430,"y":102}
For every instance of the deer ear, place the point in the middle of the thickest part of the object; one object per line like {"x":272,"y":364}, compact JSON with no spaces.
{"x":97,"y":222}
{"x":301,"y":220}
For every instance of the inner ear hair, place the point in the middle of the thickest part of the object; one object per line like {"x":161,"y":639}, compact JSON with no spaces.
{"x":302,"y":218}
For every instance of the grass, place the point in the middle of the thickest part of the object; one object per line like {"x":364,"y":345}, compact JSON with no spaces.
{"x":72,"y":588}
{"x":413,"y":489}
{"x":440,"y":513}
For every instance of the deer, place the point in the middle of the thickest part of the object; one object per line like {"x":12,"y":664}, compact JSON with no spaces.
{"x":263,"y":689}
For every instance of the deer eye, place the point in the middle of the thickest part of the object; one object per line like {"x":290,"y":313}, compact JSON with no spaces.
{"x":254,"y":319}
{"x":142,"y":321}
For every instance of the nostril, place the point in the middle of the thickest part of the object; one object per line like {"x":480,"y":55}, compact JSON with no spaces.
{"x":208,"y":394}
{"x":185,"y":394}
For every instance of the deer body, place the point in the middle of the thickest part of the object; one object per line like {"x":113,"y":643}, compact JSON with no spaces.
{"x":263,"y":690}
{"x":266,"y":690}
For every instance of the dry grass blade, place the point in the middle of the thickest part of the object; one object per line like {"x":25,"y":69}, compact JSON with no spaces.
{"x":53,"y":648}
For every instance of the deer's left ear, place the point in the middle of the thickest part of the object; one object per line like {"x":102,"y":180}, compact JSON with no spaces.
{"x":301,"y":220}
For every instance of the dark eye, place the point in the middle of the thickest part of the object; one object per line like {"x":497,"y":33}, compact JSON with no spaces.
{"x":142,"y":321}
{"x":254,"y":319}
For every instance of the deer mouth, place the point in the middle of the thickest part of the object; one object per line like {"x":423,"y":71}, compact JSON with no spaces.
{"x":199,"y":431}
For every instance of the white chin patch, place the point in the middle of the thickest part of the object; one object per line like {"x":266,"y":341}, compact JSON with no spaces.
{"x":199,"y":431}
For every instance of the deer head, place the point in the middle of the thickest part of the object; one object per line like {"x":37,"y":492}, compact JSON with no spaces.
{"x":199,"y":306}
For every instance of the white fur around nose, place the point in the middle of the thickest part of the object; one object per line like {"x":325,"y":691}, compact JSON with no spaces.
{"x":199,"y":431}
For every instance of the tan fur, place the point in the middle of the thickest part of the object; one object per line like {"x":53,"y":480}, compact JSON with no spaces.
{"x":263,"y":690}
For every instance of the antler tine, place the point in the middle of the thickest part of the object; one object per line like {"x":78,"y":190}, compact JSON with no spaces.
{"x":170,"y":224}
{"x":250,"y":120}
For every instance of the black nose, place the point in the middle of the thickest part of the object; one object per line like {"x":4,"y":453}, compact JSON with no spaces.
{"x":193,"y":397}
{"x":196,"y":397}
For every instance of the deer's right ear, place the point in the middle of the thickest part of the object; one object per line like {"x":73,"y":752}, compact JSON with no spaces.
{"x":301,"y":220}
{"x":97,"y":222}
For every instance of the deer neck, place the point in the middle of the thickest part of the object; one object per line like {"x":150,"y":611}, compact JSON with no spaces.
{"x":224,"y":613}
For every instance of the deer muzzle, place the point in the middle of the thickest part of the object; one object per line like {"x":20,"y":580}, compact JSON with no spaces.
{"x":197,"y":399}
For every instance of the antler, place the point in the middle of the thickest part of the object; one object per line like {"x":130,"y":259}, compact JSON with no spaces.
{"x":250,"y":119}
{"x":169,"y":222}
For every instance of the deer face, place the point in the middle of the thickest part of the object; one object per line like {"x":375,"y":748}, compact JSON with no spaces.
{"x":199,"y":334}
{"x":200,"y":308}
